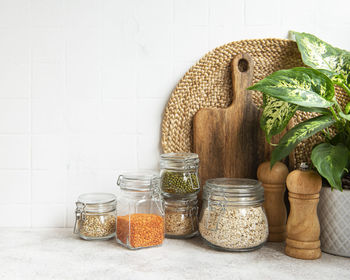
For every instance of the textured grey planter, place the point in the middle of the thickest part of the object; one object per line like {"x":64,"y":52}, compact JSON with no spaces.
{"x":334,"y":216}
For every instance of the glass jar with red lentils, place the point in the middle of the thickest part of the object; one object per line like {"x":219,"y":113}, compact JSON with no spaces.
{"x":140,"y":212}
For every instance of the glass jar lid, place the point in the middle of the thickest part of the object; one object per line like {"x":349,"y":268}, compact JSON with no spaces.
{"x":234,"y":191}
{"x":180,"y":199}
{"x":139,"y":181}
{"x":92,"y":204}
{"x":178,"y":161}
{"x":180,"y":203}
{"x":96,"y":202}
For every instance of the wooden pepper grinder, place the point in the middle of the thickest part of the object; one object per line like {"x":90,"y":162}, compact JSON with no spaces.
{"x":303,"y":227}
{"x":274,"y":183}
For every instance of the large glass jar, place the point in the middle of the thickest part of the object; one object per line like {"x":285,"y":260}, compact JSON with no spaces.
{"x":95,"y":216}
{"x":140,"y":213}
{"x":181,"y":215}
{"x":232,"y":216}
{"x":179,"y":173}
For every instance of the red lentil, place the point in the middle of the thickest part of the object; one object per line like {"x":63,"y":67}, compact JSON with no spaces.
{"x":146,"y":230}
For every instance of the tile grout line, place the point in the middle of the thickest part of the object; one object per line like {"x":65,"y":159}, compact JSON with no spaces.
{"x":244,"y":13}
{"x":208,"y":25}
{"x":30,"y":31}
{"x":64,"y":31}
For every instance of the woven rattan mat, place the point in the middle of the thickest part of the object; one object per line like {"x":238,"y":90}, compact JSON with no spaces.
{"x":208,"y":85}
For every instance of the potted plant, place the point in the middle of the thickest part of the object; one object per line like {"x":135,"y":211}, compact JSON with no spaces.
{"x":311,"y":89}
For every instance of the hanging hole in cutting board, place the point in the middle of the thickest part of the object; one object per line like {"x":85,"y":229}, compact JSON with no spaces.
{"x":243,"y":65}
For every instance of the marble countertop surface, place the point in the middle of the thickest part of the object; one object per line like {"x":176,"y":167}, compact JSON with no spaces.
{"x":58,"y":254}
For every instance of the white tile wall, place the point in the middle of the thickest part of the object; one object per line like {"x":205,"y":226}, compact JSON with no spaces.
{"x":48,"y":215}
{"x":15,"y":116}
{"x":14,"y":77}
{"x":262,"y":13}
{"x":48,"y":186}
{"x":15,"y":186}
{"x":83,"y":84}
{"x":15,"y":152}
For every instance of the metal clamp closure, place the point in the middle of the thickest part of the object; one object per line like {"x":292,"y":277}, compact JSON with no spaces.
{"x":120,"y":177}
{"x":193,"y":213}
{"x":188,"y":175}
{"x":219,"y":205}
{"x":80,"y":215}
{"x":156,"y":195}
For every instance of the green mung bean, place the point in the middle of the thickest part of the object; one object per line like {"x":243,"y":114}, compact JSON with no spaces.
{"x":179,"y":182}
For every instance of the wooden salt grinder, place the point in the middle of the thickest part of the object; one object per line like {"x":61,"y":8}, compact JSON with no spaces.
{"x":303,"y":227}
{"x":274,"y":183}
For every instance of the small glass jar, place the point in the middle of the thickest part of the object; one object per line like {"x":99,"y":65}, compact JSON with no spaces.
{"x":179,"y":173}
{"x":181,"y":215}
{"x":232,"y":215}
{"x":95,"y":216}
{"x":140,"y":212}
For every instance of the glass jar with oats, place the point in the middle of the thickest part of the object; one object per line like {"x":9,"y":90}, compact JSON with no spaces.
{"x":95,"y":216}
{"x":181,"y":215}
{"x":232,"y":215}
{"x":140,"y":213}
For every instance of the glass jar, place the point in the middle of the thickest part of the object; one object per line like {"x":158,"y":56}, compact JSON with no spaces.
{"x":179,"y":173}
{"x":140,"y":213}
{"x":232,"y":216}
{"x":95,"y":216}
{"x":181,"y":215}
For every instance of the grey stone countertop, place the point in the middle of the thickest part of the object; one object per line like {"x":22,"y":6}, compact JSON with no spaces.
{"x":58,"y":254}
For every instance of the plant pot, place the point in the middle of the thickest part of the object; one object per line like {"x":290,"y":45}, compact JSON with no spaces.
{"x":334,"y":216}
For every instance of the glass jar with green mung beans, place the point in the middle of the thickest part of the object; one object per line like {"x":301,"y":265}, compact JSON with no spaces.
{"x":179,"y":173}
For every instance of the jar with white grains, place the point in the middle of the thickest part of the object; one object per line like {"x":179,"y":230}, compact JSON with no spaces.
{"x":181,"y":215}
{"x":232,"y":216}
{"x":95,"y":216}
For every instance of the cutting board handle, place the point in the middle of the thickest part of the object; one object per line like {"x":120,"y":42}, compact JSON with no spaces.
{"x":242,"y":74}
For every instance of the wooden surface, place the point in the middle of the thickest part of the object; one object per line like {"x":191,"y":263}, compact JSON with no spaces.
{"x":229,"y":141}
{"x":303,"y":227}
{"x":274,"y":183}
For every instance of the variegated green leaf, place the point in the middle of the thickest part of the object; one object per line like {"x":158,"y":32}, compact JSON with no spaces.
{"x":275,"y":116}
{"x":323,"y":111}
{"x":337,"y":79}
{"x":321,"y":55}
{"x":297,"y":134}
{"x":334,"y":77}
{"x":347,"y":108}
{"x":301,"y":86}
{"x":331,"y":161}
{"x":345,"y":116}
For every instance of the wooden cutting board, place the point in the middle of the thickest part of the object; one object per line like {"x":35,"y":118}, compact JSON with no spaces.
{"x":229,"y":141}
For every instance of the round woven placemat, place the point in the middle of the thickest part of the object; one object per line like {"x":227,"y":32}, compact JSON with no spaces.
{"x":208,"y":84}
